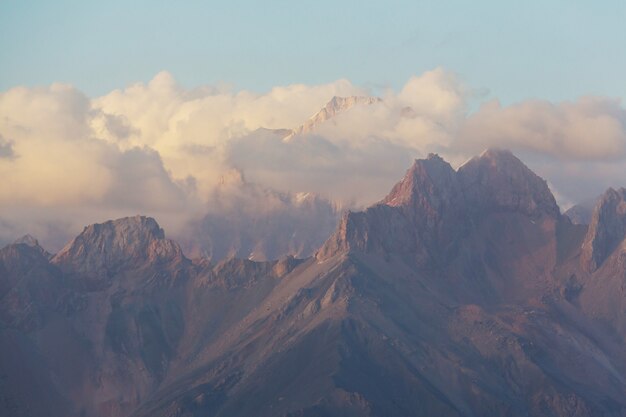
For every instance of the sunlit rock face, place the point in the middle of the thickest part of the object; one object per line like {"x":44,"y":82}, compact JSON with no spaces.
{"x":463,"y":292}
{"x":114,"y":244}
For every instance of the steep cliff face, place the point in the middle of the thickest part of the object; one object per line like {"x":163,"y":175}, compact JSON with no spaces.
{"x":421,"y":211}
{"x":606,"y":230}
{"x":603,"y":259}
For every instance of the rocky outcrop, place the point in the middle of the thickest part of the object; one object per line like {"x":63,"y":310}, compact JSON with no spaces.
{"x":102,"y":250}
{"x":606,"y":230}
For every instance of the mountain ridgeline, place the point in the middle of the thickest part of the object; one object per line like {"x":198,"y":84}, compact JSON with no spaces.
{"x":462,"y":293}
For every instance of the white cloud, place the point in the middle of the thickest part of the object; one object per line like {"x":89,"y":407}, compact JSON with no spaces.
{"x":591,"y":128}
{"x":61,"y":172}
{"x":579,"y":146}
{"x":160,"y":149}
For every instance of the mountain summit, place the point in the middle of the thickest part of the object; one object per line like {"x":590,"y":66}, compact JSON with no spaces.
{"x":498,"y":180}
{"x":335,"y":106}
{"x":433,"y":207}
{"x":425,"y":182}
{"x":102,"y":250}
{"x":461,"y":293}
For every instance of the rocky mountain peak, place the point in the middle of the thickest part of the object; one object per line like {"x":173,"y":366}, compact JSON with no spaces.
{"x":606,"y":230}
{"x":430,"y":180}
{"x":115,"y":243}
{"x":23,"y":258}
{"x":21,"y":253}
{"x":27,"y":240}
{"x":498,"y":180}
{"x":335,"y":106}
{"x":433,"y":205}
{"x":422,"y":211}
{"x":32,"y":242}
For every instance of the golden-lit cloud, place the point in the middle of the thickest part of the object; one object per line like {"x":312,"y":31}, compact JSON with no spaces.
{"x":587,"y":129}
{"x":160,"y":149}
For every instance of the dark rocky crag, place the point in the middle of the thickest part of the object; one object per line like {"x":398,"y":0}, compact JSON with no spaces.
{"x":461,"y":293}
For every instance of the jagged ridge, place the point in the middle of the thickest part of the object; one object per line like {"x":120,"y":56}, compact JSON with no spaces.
{"x":433,"y":205}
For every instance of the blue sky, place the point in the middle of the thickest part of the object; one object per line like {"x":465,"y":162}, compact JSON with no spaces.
{"x":556,"y":50}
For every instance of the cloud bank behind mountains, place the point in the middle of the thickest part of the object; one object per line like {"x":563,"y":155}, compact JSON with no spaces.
{"x":159,"y":149}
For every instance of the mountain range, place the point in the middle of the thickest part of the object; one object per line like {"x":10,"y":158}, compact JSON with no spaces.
{"x":462,"y":293}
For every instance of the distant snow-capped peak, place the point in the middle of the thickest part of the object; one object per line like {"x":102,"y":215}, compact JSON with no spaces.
{"x":335,"y":106}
